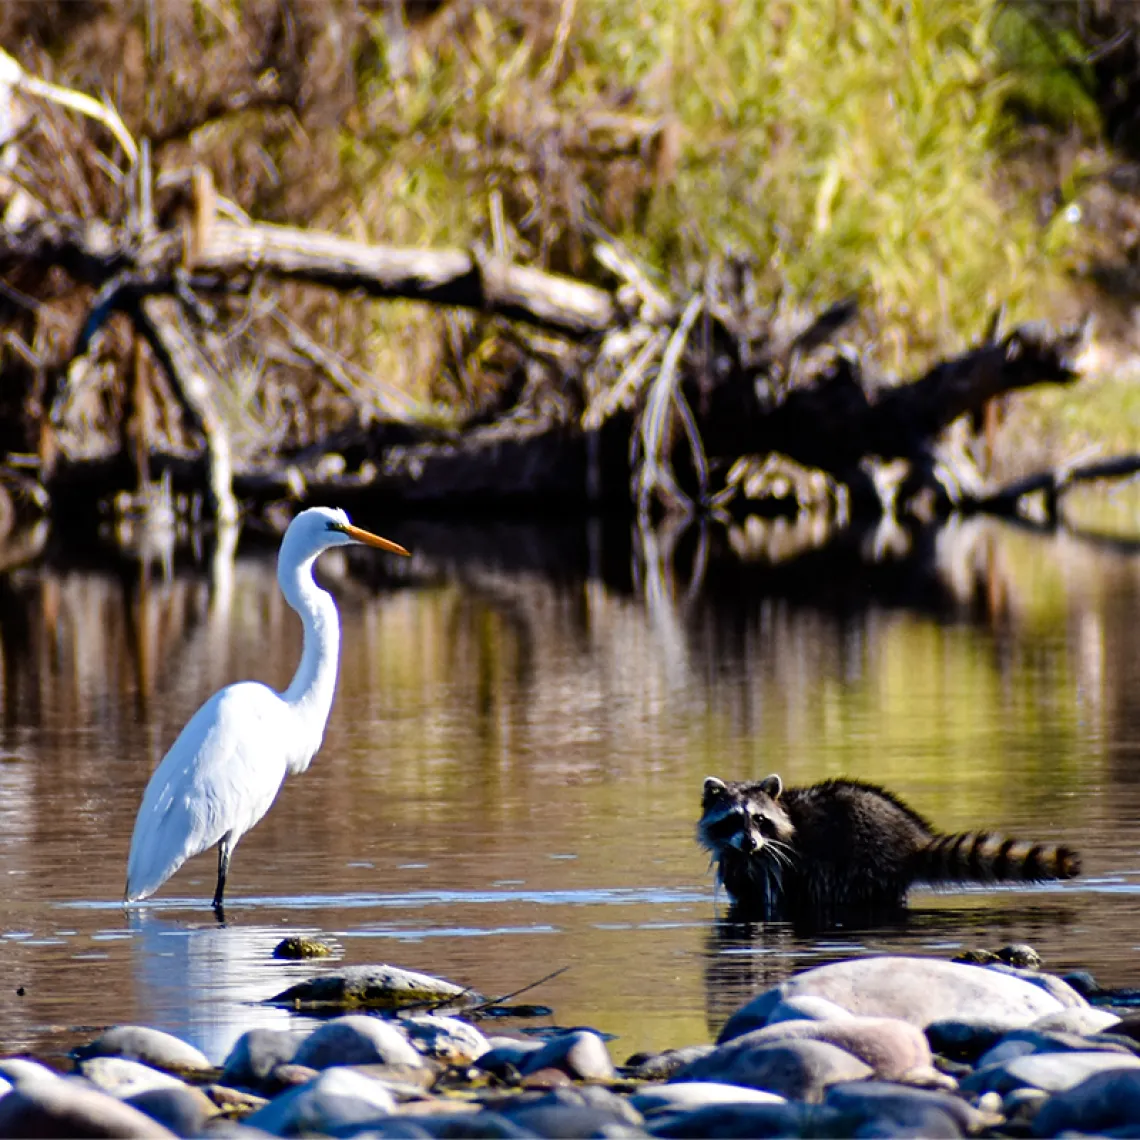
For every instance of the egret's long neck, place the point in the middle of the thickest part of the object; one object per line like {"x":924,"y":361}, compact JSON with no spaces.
{"x":311,"y":690}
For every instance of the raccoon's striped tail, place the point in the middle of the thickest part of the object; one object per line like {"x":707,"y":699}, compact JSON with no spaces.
{"x":977,"y":856}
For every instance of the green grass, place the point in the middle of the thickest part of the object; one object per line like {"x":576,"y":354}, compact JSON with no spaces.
{"x":849,"y":146}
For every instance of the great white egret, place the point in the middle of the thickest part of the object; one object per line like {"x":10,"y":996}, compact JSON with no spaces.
{"x":225,"y":769}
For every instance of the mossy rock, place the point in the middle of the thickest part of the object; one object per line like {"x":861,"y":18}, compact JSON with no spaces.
{"x":299,"y":946}
{"x":374,"y":987}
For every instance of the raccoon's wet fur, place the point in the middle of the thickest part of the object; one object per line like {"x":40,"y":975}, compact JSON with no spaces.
{"x":843,"y":851}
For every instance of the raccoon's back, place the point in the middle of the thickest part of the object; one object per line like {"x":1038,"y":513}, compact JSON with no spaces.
{"x":855,"y":847}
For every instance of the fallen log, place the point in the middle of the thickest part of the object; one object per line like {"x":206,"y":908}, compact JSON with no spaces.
{"x":1009,"y":500}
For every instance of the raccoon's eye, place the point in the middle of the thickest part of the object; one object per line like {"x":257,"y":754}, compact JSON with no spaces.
{"x":763,"y":824}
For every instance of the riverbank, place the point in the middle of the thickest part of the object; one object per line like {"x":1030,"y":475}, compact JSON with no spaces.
{"x":883,"y":1046}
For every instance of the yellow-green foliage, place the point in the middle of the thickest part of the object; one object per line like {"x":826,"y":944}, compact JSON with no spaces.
{"x":849,"y":145}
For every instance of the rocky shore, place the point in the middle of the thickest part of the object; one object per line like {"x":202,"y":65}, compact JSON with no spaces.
{"x":880,"y":1046}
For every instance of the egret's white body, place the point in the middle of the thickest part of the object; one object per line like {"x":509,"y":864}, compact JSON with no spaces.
{"x":225,"y":769}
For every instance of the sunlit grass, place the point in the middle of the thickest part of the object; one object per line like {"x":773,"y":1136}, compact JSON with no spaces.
{"x":848,"y":147}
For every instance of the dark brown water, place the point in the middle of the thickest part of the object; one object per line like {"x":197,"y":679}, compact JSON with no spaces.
{"x":510,"y":777}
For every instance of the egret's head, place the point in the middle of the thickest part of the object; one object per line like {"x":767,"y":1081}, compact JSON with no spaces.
{"x":319,"y":528}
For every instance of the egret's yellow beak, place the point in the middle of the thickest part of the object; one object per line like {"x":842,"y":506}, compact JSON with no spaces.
{"x":369,"y":539}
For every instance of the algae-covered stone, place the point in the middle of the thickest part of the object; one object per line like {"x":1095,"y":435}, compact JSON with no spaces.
{"x":371,"y":987}
{"x":299,"y":946}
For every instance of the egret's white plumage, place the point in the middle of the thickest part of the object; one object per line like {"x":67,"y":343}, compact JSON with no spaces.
{"x":225,"y":769}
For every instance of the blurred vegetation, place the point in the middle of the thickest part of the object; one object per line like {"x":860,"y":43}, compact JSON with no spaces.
{"x":868,"y":147}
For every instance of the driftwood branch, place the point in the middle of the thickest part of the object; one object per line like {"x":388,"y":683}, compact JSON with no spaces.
{"x":164,"y":324}
{"x":1052,"y":485}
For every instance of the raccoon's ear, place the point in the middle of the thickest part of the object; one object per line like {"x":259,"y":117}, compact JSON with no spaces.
{"x":713,"y":788}
{"x":772,"y":786}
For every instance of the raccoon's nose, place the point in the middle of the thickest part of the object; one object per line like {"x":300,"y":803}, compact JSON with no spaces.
{"x":749,"y":842}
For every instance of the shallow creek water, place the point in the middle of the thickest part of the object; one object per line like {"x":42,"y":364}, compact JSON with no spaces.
{"x":511,"y":774}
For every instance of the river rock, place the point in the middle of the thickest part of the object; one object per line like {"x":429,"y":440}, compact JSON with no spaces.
{"x":661,"y":1066}
{"x":697,"y":1094}
{"x":747,"y":1122}
{"x":20,"y":1070}
{"x":1050,"y":983}
{"x":445,"y":1039}
{"x":505,"y":1054}
{"x":184,"y":1110}
{"x":1104,"y":1101}
{"x":580,"y":1054}
{"x":256,"y":1053}
{"x":337,"y":1099}
{"x":356,"y":1039}
{"x":123,"y":1078}
{"x":1084,"y":1020}
{"x":371,"y":987}
{"x":1052,"y":1072}
{"x":798,"y":1070}
{"x":72,"y":1108}
{"x":1022,"y":1042}
{"x":150,"y":1046}
{"x":889,"y":1045}
{"x":923,"y":1112}
{"x":485,"y":1125}
{"x":572,"y":1112}
{"x":805,"y":1007}
{"x":918,"y":990}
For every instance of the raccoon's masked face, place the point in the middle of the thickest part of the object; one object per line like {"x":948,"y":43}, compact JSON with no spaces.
{"x":743,"y":818}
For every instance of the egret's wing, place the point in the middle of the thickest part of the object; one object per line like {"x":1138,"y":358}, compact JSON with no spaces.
{"x":220,"y":777}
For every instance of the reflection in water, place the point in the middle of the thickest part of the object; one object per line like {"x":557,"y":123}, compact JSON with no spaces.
{"x":511,"y":776}
{"x":206,"y":983}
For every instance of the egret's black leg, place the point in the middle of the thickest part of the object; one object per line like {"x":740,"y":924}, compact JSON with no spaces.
{"x":223,"y":870}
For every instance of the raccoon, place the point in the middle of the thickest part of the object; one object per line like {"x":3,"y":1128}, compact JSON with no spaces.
{"x":842,"y":851}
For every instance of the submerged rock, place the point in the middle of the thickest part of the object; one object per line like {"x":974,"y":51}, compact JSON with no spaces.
{"x":299,"y":946}
{"x":356,"y":1039}
{"x":371,"y":987}
{"x":150,"y":1046}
